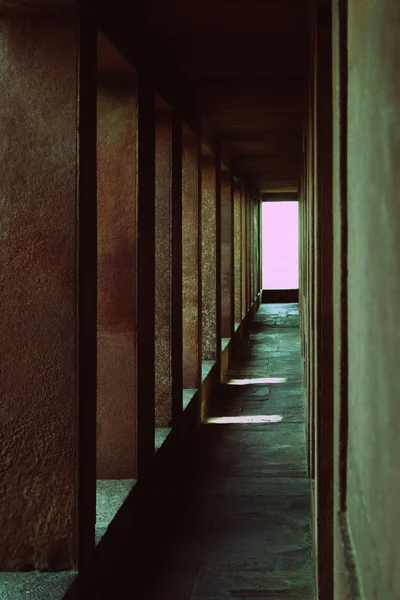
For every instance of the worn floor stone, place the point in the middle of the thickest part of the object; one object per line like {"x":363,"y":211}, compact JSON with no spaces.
{"x":35,"y":585}
{"x":231,"y":519}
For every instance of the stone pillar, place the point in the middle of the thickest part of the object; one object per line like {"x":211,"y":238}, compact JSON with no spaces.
{"x":145,"y":278}
{"x":249,"y":246}
{"x":163,"y":308}
{"x":237,"y":226}
{"x":208,"y":258}
{"x":227,"y":250}
{"x":177,"y":316}
{"x":244,"y":247}
{"x":87,"y":291}
{"x":252,"y":248}
{"x":258,"y":244}
{"x":191,"y":284}
{"x":117,"y":265}
{"x":47,"y":177}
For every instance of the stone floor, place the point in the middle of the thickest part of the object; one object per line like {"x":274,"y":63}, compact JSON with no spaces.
{"x":231,"y":520}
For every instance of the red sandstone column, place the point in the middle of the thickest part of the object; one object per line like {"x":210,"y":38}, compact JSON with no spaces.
{"x":177,"y":316}
{"x":145,"y":278}
{"x":163,"y":314}
{"x":209,"y":258}
{"x":227,"y":246}
{"x":87,"y":291}
{"x":252,"y":235}
{"x":47,"y":325}
{"x":244,"y":247}
{"x":257,"y":245}
{"x":237,"y":251}
{"x":117,"y":205}
{"x":191,"y":284}
{"x":248,"y":246}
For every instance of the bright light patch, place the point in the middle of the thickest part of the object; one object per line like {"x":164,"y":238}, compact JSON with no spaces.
{"x":244,"y":419}
{"x":280,"y":245}
{"x":256,"y":380}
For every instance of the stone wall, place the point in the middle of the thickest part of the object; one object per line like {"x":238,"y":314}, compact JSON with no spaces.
{"x":373,"y":483}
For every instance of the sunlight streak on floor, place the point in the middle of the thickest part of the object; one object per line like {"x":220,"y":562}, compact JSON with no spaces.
{"x":244,"y":419}
{"x":255,"y":380}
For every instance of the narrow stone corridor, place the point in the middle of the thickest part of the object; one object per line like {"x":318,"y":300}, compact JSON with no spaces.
{"x":233,"y":519}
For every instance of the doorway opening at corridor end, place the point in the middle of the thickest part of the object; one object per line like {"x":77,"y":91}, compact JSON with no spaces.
{"x":280,"y":250}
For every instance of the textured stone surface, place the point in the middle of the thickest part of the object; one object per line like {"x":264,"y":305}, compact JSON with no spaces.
{"x":190,"y":260}
{"x":116,"y":336}
{"x":373,"y":292}
{"x":35,"y":585}
{"x":208,"y":260}
{"x":227,"y":249}
{"x":230,"y":517}
{"x":38,"y":149}
{"x":237,"y":241}
{"x":247,"y":534}
{"x":243,"y":244}
{"x":163,"y":314}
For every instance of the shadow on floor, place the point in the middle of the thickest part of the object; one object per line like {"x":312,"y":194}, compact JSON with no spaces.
{"x":230,"y":518}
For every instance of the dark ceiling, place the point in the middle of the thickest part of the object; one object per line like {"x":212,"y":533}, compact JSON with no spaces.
{"x":246,"y":62}
{"x":242,"y":64}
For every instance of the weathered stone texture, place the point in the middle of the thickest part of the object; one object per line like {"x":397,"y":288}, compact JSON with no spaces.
{"x":163,"y":314}
{"x":38,"y":149}
{"x":226,"y":256}
{"x":116,"y":339}
{"x":209,"y":261}
{"x":237,"y":220}
{"x":373,"y":293}
{"x":244,"y":228}
{"x":190,"y":260}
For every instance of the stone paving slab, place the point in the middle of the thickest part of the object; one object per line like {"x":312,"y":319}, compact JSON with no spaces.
{"x":35,"y":585}
{"x":247,"y":485}
{"x":232,"y":518}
